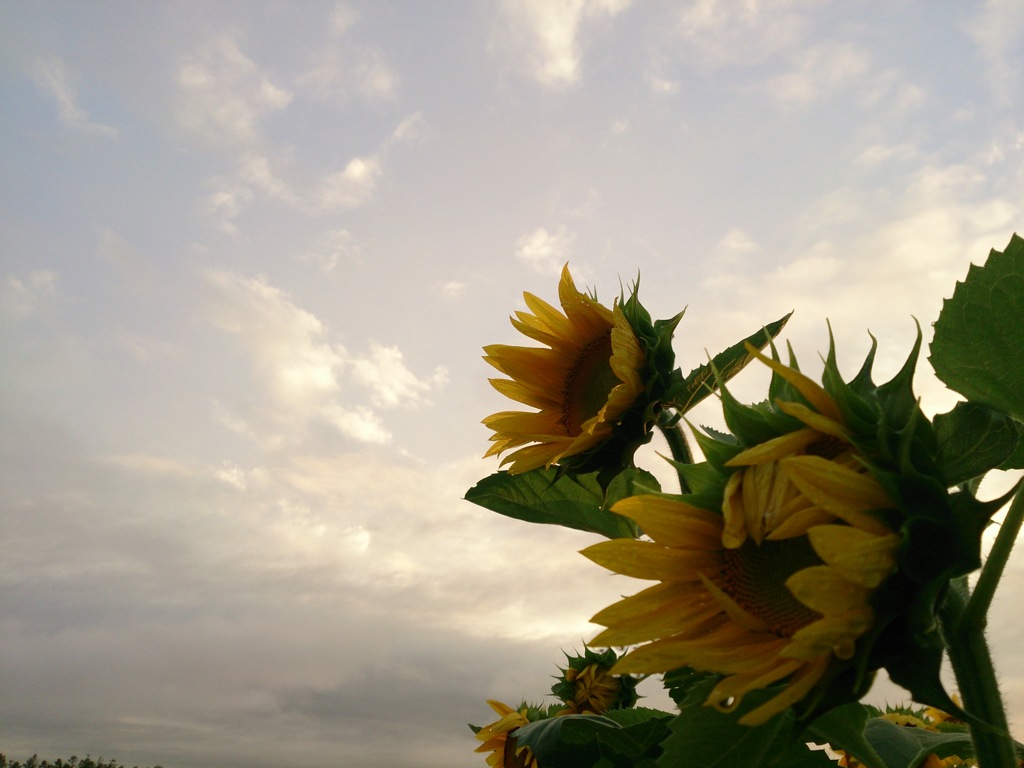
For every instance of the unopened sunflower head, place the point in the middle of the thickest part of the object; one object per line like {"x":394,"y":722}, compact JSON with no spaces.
{"x":786,"y":568}
{"x":594,"y":385}
{"x":587,"y":685}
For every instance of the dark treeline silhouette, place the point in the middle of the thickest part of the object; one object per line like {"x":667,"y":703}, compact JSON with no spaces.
{"x":71,"y":762}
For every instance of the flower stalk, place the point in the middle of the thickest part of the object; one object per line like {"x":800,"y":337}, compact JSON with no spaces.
{"x":668,"y":424}
{"x":965,"y":617}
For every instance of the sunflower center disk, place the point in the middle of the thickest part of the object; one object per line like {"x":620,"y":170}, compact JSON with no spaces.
{"x":587,"y":385}
{"x":755,"y":577}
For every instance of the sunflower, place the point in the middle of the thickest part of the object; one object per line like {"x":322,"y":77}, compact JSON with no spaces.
{"x":497,"y":738}
{"x":582,"y":383}
{"x":776,"y":585}
{"x":594,"y":690}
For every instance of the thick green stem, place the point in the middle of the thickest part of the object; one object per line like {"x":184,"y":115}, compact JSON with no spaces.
{"x":976,"y":679}
{"x":668,"y":423}
{"x":965,"y":617}
{"x":980,"y":600}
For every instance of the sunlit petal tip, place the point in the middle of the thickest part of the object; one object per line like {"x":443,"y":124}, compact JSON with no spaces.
{"x":812,"y":392}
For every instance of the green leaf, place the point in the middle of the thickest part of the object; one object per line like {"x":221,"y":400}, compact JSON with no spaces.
{"x":546,"y":496}
{"x":903,"y":747}
{"x":844,"y":728}
{"x":978,"y":347}
{"x":702,"y":737}
{"x":972,"y":439}
{"x":630,"y":716}
{"x":569,"y":740}
{"x":587,"y":741}
{"x":630,"y":482}
{"x":702,"y":381}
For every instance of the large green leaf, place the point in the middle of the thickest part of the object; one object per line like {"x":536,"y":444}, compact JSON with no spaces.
{"x":903,"y":747}
{"x":570,"y":740}
{"x":972,"y":439}
{"x":702,"y":737}
{"x":583,"y":741}
{"x":702,"y":381}
{"x":978,"y":348}
{"x":574,"y":501}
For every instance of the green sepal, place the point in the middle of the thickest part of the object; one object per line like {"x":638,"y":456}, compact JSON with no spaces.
{"x":703,"y":479}
{"x":717,"y":448}
{"x":555,"y":498}
{"x":655,"y":336}
{"x":685,"y":393}
{"x":978,"y":345}
{"x":896,"y":396}
{"x":853,"y":397}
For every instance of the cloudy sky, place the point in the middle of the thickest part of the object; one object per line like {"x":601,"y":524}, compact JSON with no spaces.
{"x":250,"y":251}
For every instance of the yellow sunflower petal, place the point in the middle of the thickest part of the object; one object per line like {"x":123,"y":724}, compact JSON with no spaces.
{"x":776,"y":448}
{"x":796,"y":521}
{"x":734,"y":532}
{"x":843,"y":492}
{"x":680,"y":620}
{"x":811,"y":391}
{"x":647,"y":560}
{"x":671,"y":522}
{"x":819,"y":423}
{"x":655,"y":598}
{"x":736,"y":686}
{"x":826,"y":634}
{"x":861,"y":557}
{"x":549,"y":317}
{"x":822,"y":589}
{"x":803,"y":681}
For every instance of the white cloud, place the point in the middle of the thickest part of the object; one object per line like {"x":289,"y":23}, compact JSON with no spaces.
{"x":877,"y":260}
{"x":334,"y":74}
{"x":24,"y":295}
{"x":334,"y":247}
{"x":374,"y":77}
{"x":359,"y":423}
{"x":146,"y":348}
{"x":288,"y":346}
{"x":410,"y":129}
{"x":350,"y":187}
{"x":661,"y":85}
{"x":545,"y":34}
{"x":881,"y":154}
{"x":223,"y":95}
{"x":343,"y":17}
{"x":383,"y":371}
{"x":736,"y":241}
{"x":727,"y":33}
{"x":51,"y":74}
{"x":453,"y":289}
{"x":821,"y":69}
{"x":258,"y":177}
{"x":999,"y":32}
{"x":545,"y":251}
{"x":890,"y":90}
{"x":305,"y":372}
{"x":229,"y":198}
